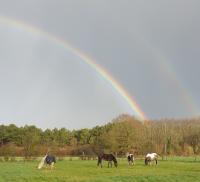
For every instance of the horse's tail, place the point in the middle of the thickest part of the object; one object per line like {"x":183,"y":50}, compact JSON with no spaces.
{"x":158,"y":154}
{"x":42,"y":162}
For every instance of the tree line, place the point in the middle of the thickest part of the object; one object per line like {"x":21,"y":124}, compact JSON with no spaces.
{"x":123,"y":134}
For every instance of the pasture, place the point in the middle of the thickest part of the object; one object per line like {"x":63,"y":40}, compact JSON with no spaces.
{"x":178,"y":169}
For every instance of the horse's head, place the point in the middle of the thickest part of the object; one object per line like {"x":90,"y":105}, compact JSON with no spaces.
{"x":115,"y":161}
{"x":147,"y":159}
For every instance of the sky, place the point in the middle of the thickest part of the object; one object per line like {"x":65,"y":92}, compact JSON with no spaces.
{"x":150,"y":48}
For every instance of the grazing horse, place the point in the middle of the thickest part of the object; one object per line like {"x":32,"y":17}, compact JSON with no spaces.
{"x":47,"y":160}
{"x":107,"y":157}
{"x":130,"y":159}
{"x":151,"y":157}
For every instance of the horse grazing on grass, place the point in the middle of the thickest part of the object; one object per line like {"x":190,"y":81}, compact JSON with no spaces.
{"x":151,"y":157}
{"x":107,"y":157}
{"x":49,"y":160}
{"x":130,"y":159}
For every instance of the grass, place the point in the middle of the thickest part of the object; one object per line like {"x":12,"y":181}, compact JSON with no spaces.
{"x":87,"y":171}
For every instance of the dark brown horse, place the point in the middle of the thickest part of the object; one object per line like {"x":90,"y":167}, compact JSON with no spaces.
{"x":107,"y":157}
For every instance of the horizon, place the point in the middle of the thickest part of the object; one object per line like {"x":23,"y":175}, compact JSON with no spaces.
{"x":105,"y":123}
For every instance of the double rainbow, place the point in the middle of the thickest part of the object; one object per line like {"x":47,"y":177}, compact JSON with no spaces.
{"x":87,"y":59}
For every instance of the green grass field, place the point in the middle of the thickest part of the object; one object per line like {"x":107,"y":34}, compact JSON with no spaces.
{"x":87,"y":171}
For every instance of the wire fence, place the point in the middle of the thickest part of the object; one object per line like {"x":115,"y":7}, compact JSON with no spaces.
{"x":94,"y":157}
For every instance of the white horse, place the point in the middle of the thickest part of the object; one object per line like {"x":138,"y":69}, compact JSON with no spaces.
{"x":151,"y":157}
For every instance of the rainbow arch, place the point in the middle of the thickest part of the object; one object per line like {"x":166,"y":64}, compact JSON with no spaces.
{"x":171,"y":73}
{"x":139,"y":114}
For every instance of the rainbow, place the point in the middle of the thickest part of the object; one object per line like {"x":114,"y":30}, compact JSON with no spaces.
{"x":164,"y":65}
{"x":184,"y":94}
{"x":87,"y":59}
{"x":171,"y":73}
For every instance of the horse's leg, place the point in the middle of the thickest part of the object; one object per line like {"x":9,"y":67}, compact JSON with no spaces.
{"x":98,"y":162}
{"x":52,"y":165}
{"x":156,"y":161}
{"x":109,"y":164}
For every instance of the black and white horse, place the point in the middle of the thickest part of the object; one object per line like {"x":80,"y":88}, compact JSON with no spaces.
{"x":130,"y":159}
{"x":151,"y":157}
{"x":107,"y":157}
{"x":49,"y":160}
